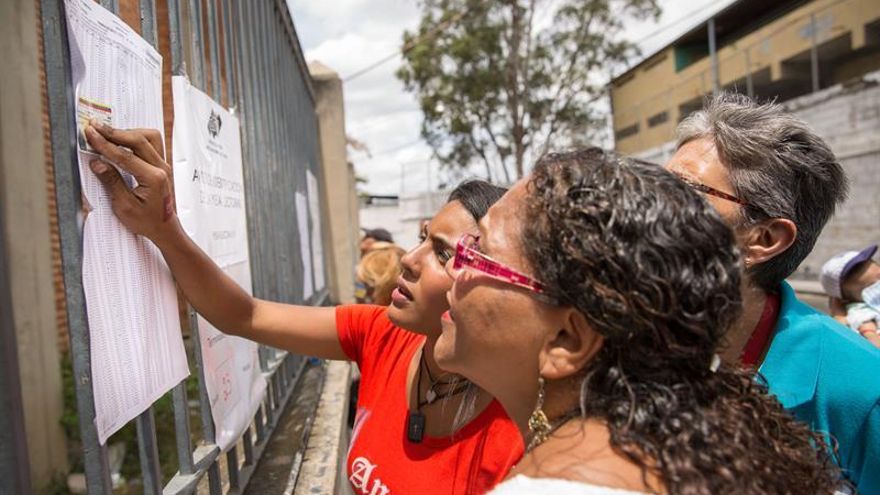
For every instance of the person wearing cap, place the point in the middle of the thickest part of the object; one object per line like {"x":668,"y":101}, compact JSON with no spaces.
{"x":374,"y":235}
{"x":852,"y":280}
{"x":776,"y":183}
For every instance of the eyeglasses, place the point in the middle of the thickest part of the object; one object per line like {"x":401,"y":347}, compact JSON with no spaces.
{"x":467,"y":254}
{"x":703,"y":188}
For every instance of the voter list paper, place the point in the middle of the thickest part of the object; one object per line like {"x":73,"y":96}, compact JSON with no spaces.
{"x":137,"y":351}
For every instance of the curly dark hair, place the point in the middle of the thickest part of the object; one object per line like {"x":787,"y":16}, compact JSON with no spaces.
{"x":655,"y":270}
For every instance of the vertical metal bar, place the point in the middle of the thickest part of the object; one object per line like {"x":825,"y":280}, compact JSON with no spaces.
{"x":247,"y":440}
{"x":246,"y":105}
{"x":215,"y":486}
{"x":149,"y":30}
{"x":716,"y":84}
{"x":111,"y":5}
{"x":232,"y":467}
{"x":14,"y":465}
{"x":204,"y":401}
{"x":178,"y":63}
{"x":214,"y":49}
{"x":228,"y":50}
{"x":68,"y":193}
{"x":814,"y":52}
{"x":148,"y":452}
{"x":750,"y":84}
{"x":181,"y":429}
{"x":198,"y":51}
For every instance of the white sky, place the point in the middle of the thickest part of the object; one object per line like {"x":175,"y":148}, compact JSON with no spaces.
{"x":348,"y":35}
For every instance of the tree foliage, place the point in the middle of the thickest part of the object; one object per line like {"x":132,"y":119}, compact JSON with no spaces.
{"x":499,"y":80}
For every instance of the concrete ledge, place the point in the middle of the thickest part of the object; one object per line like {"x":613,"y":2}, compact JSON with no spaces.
{"x":812,"y":287}
{"x":323,"y":467}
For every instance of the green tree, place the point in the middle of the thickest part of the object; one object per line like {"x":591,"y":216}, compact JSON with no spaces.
{"x":497,"y":80}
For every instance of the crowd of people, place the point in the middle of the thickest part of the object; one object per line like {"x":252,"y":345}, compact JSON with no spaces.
{"x":605,"y":326}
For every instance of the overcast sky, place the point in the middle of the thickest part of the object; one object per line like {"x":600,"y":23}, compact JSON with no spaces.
{"x":349,"y":35}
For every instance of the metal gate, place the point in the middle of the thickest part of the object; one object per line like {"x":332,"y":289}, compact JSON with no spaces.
{"x":246,"y":55}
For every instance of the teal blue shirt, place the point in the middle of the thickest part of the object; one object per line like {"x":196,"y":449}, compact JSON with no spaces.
{"x":829,"y":377}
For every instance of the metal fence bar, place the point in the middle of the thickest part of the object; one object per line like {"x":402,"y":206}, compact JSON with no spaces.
{"x":185,"y":463}
{"x":214,"y":50}
{"x":228,"y":50}
{"x":148,"y":452}
{"x":68,"y":196}
{"x":111,"y":5}
{"x":178,"y":62}
{"x":197,"y":72}
{"x":149,"y":29}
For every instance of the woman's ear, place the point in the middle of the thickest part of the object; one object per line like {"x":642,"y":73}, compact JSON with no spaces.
{"x":567,"y":350}
{"x":768,"y":239}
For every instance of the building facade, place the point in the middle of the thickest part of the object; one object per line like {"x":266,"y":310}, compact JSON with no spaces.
{"x":820,"y":59}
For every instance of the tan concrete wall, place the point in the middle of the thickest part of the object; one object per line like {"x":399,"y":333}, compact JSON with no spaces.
{"x":339,"y":183}
{"x":25,"y":205}
{"x":653,"y":87}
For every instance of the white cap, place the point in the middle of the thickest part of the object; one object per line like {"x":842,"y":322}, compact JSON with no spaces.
{"x":838,"y":267}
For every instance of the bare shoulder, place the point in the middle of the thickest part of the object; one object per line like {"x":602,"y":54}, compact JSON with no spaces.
{"x":580,"y":451}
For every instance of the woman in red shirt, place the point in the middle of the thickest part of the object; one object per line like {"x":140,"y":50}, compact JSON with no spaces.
{"x":417,"y":429}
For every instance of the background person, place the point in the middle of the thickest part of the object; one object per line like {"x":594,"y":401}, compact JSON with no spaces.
{"x":459,"y":449}
{"x":372,"y":236}
{"x":776,"y":184}
{"x":377,"y":272}
{"x":852,"y":282}
{"x":591,"y":305}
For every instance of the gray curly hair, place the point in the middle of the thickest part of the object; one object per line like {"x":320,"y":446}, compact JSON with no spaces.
{"x":778,"y":165}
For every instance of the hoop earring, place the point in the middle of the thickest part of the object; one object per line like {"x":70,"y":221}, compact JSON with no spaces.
{"x":539,"y":425}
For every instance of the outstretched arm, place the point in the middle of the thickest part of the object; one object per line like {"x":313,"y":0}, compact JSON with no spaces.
{"x":148,"y":210}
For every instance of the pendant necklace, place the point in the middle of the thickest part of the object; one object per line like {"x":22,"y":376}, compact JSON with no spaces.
{"x":415,"y":423}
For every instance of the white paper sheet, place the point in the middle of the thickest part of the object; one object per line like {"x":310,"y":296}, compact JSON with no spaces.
{"x":305,"y":249}
{"x":137,"y":352}
{"x":208,"y":185}
{"x":317,"y":237}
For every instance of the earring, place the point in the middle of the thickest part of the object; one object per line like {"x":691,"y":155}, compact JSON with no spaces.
{"x":539,"y":425}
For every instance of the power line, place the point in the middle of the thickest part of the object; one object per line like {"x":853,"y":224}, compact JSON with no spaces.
{"x":412,"y":43}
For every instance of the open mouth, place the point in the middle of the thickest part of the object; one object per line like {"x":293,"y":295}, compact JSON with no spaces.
{"x":401,"y":295}
{"x":401,"y":287}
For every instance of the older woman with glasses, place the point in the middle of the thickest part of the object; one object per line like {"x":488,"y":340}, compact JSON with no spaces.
{"x":591,"y":303}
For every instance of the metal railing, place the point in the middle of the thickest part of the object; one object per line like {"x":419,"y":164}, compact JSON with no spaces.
{"x":247,"y":57}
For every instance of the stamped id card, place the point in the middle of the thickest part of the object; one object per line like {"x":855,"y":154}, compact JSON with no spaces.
{"x":85,"y":111}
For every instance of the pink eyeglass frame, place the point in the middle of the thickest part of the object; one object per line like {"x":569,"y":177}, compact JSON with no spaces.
{"x":470,"y":257}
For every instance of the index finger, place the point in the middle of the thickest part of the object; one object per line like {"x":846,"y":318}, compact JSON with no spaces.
{"x":146,"y":143}
{"x":125,"y":158}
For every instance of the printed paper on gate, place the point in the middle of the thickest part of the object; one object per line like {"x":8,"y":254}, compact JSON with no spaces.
{"x":317,"y":237}
{"x":209,"y":187}
{"x":305,"y":249}
{"x":137,"y":352}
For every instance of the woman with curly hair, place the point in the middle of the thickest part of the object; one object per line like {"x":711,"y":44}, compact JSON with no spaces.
{"x":418,"y":429}
{"x":591,"y":305}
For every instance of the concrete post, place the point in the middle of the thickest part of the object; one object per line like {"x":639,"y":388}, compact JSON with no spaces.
{"x":339,"y":183}
{"x":23,"y":194}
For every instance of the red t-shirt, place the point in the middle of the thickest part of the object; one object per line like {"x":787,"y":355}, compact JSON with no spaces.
{"x":381,"y":460}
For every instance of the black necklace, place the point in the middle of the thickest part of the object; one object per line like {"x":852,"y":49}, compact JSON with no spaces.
{"x":415,"y":422}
